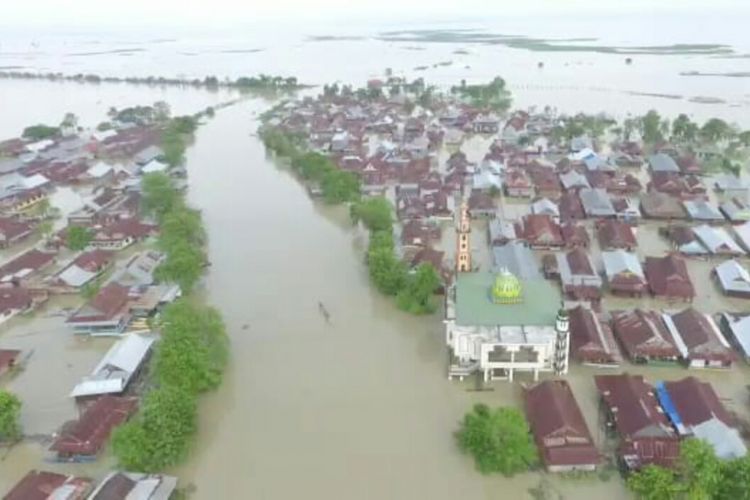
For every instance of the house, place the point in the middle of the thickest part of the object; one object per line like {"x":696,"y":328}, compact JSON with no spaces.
{"x":676,"y":185}
{"x":517,"y":259}
{"x":12,"y":231}
{"x":578,"y":276}
{"x":139,"y":269}
{"x":571,"y":207}
{"x":517,"y":184}
{"x":573,"y":180}
{"x":668,"y":278}
{"x":614,"y":234}
{"x":481,"y":205}
{"x":22,"y":269}
{"x":644,"y":337}
{"x":684,"y":240}
{"x":575,"y":235}
{"x":661,"y":162}
{"x":634,"y":414}
{"x":486,"y":124}
{"x":733,"y":279}
{"x":698,"y":339}
{"x":8,"y":360}
{"x":596,"y":203}
{"x":501,"y":231}
{"x":84,"y":268}
{"x":546,"y":183}
{"x":742,"y":232}
{"x":120,"y":234}
{"x":703,"y":211}
{"x":540,"y":231}
{"x":656,"y":205}
{"x":736,"y":328}
{"x":735,"y":210}
{"x":559,"y":429}
{"x":732,"y":185}
{"x":148,"y":154}
{"x":153,"y":166}
{"x":591,"y":340}
{"x":13,"y":301}
{"x":42,"y":485}
{"x":624,"y":273}
{"x":419,"y":233}
{"x":116,"y":369}
{"x":695,"y":410}
{"x":627,"y":209}
{"x":84,"y":438}
{"x":596,"y":163}
{"x":484,"y":180}
{"x":717,"y":240}
{"x":106,"y":314}
{"x":135,"y":486}
{"x":689,"y":165}
{"x":544,"y":206}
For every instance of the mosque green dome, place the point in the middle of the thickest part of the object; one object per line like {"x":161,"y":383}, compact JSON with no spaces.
{"x":507,"y":288}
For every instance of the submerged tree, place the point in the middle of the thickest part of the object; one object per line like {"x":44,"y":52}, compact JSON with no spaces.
{"x":418,"y":293}
{"x":375,"y":213}
{"x":499,"y":440}
{"x":654,"y":483}
{"x":78,"y":238}
{"x":10,"y":411}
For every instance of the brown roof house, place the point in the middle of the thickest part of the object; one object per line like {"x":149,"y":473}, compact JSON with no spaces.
{"x":668,"y":278}
{"x":656,"y":205}
{"x":575,"y":235}
{"x":571,"y":207}
{"x":540,"y":231}
{"x":14,"y":301}
{"x":644,"y":337}
{"x":695,"y":410}
{"x":25,"y":267}
{"x":42,"y":485}
{"x":84,"y":438}
{"x":106,"y":314}
{"x":12,"y":231}
{"x":560,"y":432}
{"x":699,"y":340}
{"x":517,"y":184}
{"x":591,"y":340}
{"x":624,"y":273}
{"x":614,"y":234}
{"x":633,"y":413}
{"x":578,"y":276}
{"x":8,"y":359}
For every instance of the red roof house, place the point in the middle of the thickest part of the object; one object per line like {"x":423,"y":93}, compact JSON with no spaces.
{"x":560,"y":432}
{"x":12,"y":231}
{"x":668,"y":278}
{"x":633,"y":412}
{"x":86,"y":436}
{"x":540,"y":231}
{"x":591,"y":340}
{"x":698,"y":338}
{"x":8,"y":358}
{"x":42,"y":485}
{"x":643,"y":336}
{"x":614,"y":234}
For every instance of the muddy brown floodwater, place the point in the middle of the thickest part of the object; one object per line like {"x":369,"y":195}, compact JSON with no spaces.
{"x":358,"y":408}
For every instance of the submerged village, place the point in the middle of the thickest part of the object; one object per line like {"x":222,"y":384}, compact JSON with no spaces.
{"x":557,"y":244}
{"x":117,"y":270}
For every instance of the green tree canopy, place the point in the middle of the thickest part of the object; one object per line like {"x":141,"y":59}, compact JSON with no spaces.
{"x":78,"y":238}
{"x":375,"y":213}
{"x":340,"y":187}
{"x":183,"y":265}
{"x":159,"y":195}
{"x":716,"y":129}
{"x":181,"y":225}
{"x":40,"y":132}
{"x":386,"y":271}
{"x":650,"y":125}
{"x":417,"y":296}
{"x":159,"y":435}
{"x":193,"y":351}
{"x":683,"y":129}
{"x":499,"y":440}
{"x":10,"y":411}
{"x":654,"y":483}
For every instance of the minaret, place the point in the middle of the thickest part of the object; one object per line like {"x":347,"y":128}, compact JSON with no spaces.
{"x":463,"y":240}
{"x":561,"y":343}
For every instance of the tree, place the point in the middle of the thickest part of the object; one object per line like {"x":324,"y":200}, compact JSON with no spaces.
{"x":39,"y":132}
{"x":162,"y":111}
{"x":69,"y":124}
{"x":736,"y":479}
{"x":716,"y":129}
{"x":181,"y":225}
{"x":45,"y":229}
{"x":386,"y":271}
{"x":417,"y":296}
{"x":10,"y":411}
{"x":683,"y":129}
{"x":744,"y":138}
{"x":159,"y":435}
{"x":654,"y":483}
{"x":183,"y":265}
{"x":340,"y":187}
{"x":78,"y":238}
{"x":651,"y":127}
{"x":375,"y":213}
{"x":700,"y":469}
{"x":193,"y":350}
{"x":499,"y":440}
{"x":159,"y":196}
